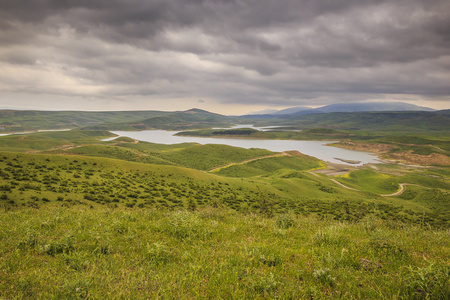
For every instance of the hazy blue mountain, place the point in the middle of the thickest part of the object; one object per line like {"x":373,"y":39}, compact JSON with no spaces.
{"x":341,"y":107}
{"x":286,"y":111}
{"x":366,"y":106}
{"x":263,"y":112}
{"x":291,"y":110}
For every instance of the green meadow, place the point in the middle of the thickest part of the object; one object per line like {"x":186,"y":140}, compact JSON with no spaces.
{"x":83,"y":253}
{"x":83,"y":218}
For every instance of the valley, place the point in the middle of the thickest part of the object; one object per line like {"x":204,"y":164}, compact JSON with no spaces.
{"x":110,"y":214}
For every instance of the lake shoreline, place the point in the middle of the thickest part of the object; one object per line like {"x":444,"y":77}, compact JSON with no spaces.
{"x":315,"y":148}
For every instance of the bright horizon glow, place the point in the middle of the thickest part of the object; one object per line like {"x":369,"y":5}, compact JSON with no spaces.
{"x":224,"y":110}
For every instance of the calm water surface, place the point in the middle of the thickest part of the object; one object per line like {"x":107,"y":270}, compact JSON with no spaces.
{"x":28,"y":132}
{"x":313,"y":148}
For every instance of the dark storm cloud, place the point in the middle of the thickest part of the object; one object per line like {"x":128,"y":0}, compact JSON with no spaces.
{"x":251,"y":51}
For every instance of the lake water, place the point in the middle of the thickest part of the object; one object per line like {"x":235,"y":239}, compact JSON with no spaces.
{"x":313,"y":148}
{"x":28,"y":132}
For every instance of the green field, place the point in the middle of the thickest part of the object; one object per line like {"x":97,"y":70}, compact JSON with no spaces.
{"x":83,"y":253}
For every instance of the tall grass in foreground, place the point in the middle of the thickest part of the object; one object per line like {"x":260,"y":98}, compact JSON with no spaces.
{"x":215,"y":253}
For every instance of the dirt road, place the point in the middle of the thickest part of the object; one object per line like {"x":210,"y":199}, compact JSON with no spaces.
{"x":248,"y":160}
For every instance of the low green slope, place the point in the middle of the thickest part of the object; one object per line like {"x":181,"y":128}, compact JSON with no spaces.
{"x":47,"y":140}
{"x":429,"y":123}
{"x":370,"y":180}
{"x":193,"y":118}
{"x":34,"y":179}
{"x":268,"y":165}
{"x":430,"y":191}
{"x":419,"y":145}
{"x":199,"y":157}
{"x":205,"y":157}
{"x":37,"y":179}
{"x":241,"y":132}
{"x":436,"y":199}
{"x":376,"y":121}
{"x":108,"y":151}
{"x":310,"y":134}
{"x":24,"y":120}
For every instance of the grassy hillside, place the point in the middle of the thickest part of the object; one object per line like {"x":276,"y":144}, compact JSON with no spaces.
{"x":85,"y":218}
{"x":40,"y":141}
{"x":15,"y":121}
{"x":371,"y":121}
{"x":205,"y":157}
{"x":75,"y":226}
{"x":36,"y":179}
{"x":113,"y":151}
{"x":289,"y":134}
{"x":371,"y":181}
{"x":199,"y":157}
{"x":269,"y":165}
{"x":25,"y":120}
{"x":193,"y":118}
{"x":33,"y":180}
{"x":215,"y":253}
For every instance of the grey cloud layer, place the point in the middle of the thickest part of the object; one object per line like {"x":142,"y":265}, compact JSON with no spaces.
{"x":265,"y":51}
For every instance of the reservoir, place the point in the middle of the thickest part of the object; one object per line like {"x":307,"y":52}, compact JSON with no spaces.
{"x":317,"y":149}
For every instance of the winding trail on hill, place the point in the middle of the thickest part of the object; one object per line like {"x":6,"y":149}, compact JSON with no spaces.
{"x":402,"y":189}
{"x":397,"y":193}
{"x":344,"y":186}
{"x":248,"y":160}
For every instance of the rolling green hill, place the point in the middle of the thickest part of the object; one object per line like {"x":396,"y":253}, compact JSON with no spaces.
{"x":190,"y":119}
{"x":40,"y":141}
{"x":269,"y":165}
{"x":16,"y":121}
{"x":34,"y":179}
{"x":26,"y":120}
{"x":83,"y":218}
{"x":372,"y":121}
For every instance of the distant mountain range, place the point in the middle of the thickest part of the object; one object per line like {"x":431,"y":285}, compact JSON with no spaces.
{"x":346,"y":107}
{"x":286,"y":111}
{"x":367,"y":116}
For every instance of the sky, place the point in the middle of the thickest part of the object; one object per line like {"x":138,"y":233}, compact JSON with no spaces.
{"x":225,"y":56}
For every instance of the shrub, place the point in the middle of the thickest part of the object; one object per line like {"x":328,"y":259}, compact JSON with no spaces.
{"x":64,"y":245}
{"x":158,"y":254}
{"x":183,"y":224}
{"x":285,"y":221}
{"x":330,"y":236}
